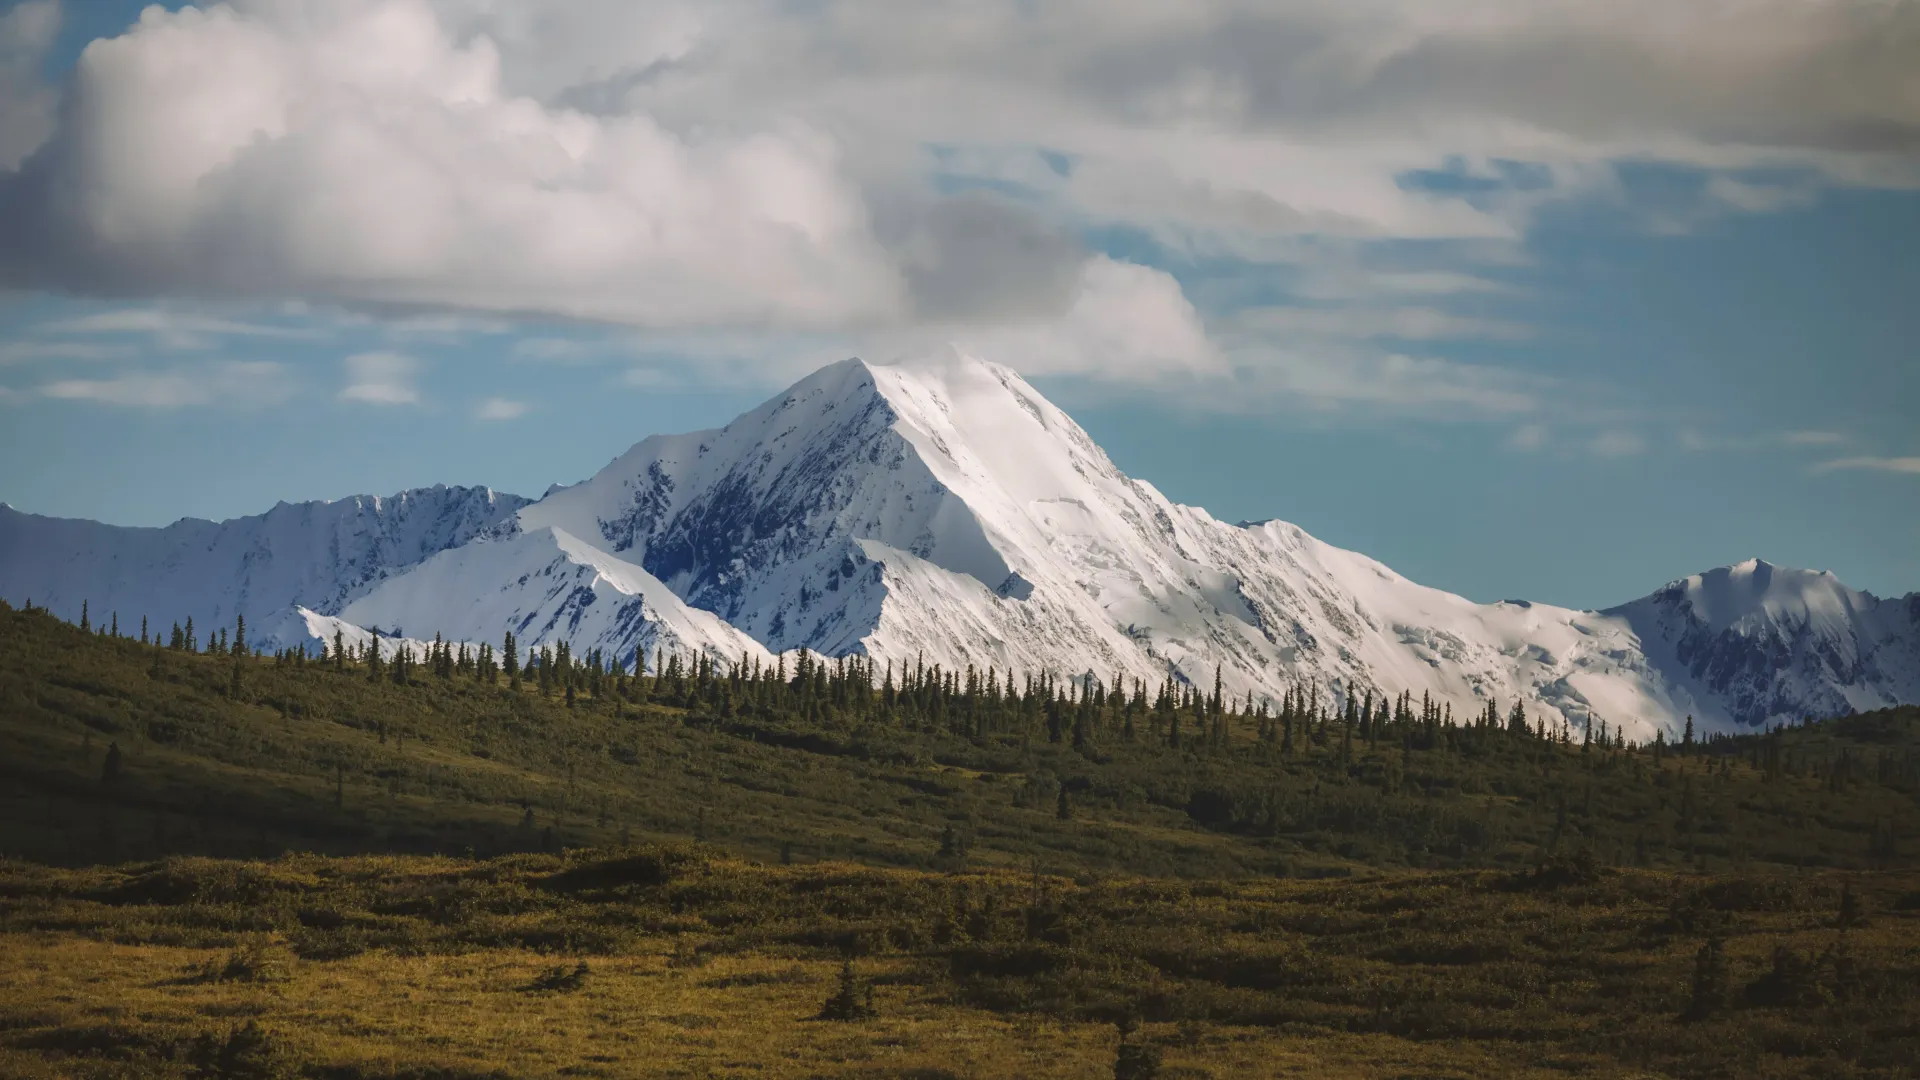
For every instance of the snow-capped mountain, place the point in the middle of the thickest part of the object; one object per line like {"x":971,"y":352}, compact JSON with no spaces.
{"x":942,"y":510}
{"x":1763,"y":641}
{"x":314,"y":554}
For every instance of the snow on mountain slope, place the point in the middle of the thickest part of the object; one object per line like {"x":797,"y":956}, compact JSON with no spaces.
{"x":544,"y":587}
{"x":1764,"y":643}
{"x":316,"y":554}
{"x":943,"y":509}
{"x":332,"y":629}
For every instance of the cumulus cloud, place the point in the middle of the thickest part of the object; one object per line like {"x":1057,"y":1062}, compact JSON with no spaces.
{"x":354,"y":151}
{"x":381,"y":378}
{"x":855,"y":172}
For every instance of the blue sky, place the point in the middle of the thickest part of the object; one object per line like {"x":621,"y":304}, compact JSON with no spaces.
{"x":1567,"y":364}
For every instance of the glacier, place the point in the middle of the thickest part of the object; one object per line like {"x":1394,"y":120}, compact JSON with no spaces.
{"x":940,"y":510}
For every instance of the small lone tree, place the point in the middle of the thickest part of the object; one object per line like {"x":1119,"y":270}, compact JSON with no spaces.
{"x":1134,"y":1060}
{"x":1850,"y":914}
{"x":852,"y":999}
{"x":110,"y":769}
{"x":1709,"y":982}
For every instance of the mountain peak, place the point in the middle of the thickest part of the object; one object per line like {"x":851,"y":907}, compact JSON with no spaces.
{"x":940,"y":510}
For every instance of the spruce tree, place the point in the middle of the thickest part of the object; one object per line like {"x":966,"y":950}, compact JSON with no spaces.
{"x":84,"y":627}
{"x":1709,"y":991}
{"x":110,"y":768}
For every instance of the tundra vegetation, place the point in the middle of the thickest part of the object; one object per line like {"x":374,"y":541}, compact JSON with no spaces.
{"x":221,"y":864}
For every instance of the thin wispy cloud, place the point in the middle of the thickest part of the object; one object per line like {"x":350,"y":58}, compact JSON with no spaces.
{"x":1617,"y":444}
{"x":1905,"y":465}
{"x":381,"y":378}
{"x":1698,"y":441}
{"x":27,"y":352}
{"x":500,"y":409}
{"x":249,"y":383}
{"x":165,"y":323}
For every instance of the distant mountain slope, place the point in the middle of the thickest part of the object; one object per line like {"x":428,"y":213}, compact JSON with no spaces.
{"x":942,"y":511}
{"x":316,"y":554}
{"x":545,"y":586}
{"x":1762,"y":641}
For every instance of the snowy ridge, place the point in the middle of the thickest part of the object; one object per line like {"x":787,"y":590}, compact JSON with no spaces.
{"x":1764,"y":641}
{"x":316,"y":554}
{"x":942,"y":510}
{"x":545,"y":587}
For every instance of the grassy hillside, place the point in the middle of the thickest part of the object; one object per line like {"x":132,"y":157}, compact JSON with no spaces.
{"x":251,"y":757}
{"x":292,"y":869}
{"x":678,"y":962}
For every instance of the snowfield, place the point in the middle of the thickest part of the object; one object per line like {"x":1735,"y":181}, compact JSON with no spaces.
{"x":942,"y":511}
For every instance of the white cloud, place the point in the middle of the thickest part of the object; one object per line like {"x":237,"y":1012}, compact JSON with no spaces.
{"x":356,"y":151}
{"x":790,"y":172}
{"x":1124,"y":321}
{"x":1909,"y":465}
{"x":250,"y":383}
{"x":500,"y":409}
{"x":1814,"y":438}
{"x":381,"y":378}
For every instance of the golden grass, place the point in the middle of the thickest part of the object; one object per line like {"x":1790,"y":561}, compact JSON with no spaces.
{"x":637,"y":1016}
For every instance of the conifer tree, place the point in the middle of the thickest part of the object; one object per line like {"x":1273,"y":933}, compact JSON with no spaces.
{"x":110,"y":768}
{"x":373,"y":654}
{"x":84,"y":627}
{"x":239,"y":635}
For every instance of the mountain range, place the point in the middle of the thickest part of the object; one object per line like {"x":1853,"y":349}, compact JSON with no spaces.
{"x":942,"y":511}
